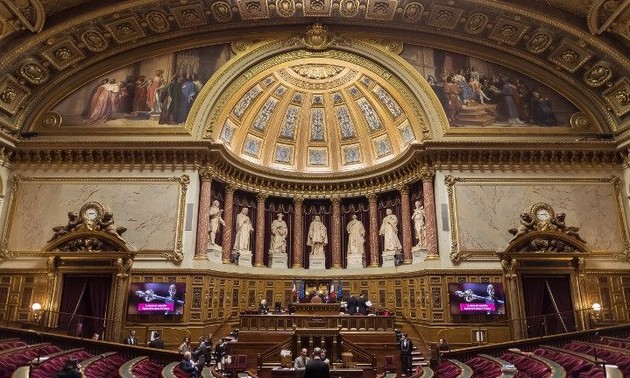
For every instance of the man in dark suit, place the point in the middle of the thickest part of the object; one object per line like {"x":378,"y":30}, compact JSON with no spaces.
{"x":406,"y":347}
{"x":351,"y":305}
{"x":157,"y":342}
{"x":131,"y":339}
{"x":188,"y":366}
{"x":362,"y":304}
{"x":317,"y":368}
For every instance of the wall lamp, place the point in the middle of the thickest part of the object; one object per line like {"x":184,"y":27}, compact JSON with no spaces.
{"x":597,"y":309}
{"x":37,"y":311}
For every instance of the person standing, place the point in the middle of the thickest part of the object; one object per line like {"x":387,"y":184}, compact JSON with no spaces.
{"x":301,"y":361}
{"x":352,"y":304}
{"x":157,"y":342}
{"x":317,"y":237}
{"x":185,"y":346}
{"x":317,"y":368}
{"x":131,"y":339}
{"x":406,"y":347}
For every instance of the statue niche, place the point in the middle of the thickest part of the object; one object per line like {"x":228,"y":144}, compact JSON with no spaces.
{"x":92,"y":229}
{"x":541,"y":231}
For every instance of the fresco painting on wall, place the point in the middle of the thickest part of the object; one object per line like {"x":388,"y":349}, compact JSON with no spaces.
{"x":155,"y":91}
{"x":478,"y":93}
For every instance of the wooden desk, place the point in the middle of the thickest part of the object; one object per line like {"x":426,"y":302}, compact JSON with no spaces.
{"x":293,"y":373}
{"x":286,"y":322}
{"x":317,"y":308}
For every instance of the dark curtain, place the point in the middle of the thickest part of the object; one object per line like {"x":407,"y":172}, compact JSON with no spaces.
{"x":73,"y":291}
{"x":359,"y":207}
{"x":548,"y":304}
{"x":389,"y":200}
{"x":273,"y":207}
{"x":241,"y":200}
{"x":311,"y":209}
{"x":217,"y":194}
{"x":98,"y":295}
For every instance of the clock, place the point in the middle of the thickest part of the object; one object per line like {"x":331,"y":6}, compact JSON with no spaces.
{"x":542,"y":212}
{"x":92,"y":212}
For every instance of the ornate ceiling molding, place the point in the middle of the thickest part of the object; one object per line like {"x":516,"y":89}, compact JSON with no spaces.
{"x":41,"y":63}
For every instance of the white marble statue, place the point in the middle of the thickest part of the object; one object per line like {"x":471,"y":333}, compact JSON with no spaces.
{"x":244,"y":229}
{"x":215,"y":221}
{"x":317,"y":237}
{"x":279,"y":233}
{"x":389,"y":229}
{"x":418,"y":223}
{"x":356,"y":236}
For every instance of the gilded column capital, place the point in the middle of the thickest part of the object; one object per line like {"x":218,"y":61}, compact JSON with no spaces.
{"x":206,"y":173}
{"x":336,"y":200}
{"x":403,"y":189}
{"x":229,"y":189}
{"x":261,"y":196}
{"x":298,"y":200}
{"x":372,"y":197}
{"x":427,"y":173}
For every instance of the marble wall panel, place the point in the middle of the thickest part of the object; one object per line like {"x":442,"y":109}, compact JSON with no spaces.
{"x":148,"y":208}
{"x":485,"y":211}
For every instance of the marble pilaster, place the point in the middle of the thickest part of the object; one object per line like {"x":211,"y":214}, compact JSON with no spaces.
{"x":429,"y":214}
{"x":203,"y":222}
{"x":406,"y":224}
{"x":260,"y":230}
{"x":297,"y":232}
{"x":229,"y":223}
{"x":336,"y":232}
{"x":374,"y":248}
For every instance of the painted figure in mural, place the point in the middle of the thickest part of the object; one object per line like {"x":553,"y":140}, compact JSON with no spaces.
{"x":154,"y":90}
{"x":104,"y":103}
{"x":452,"y":91}
{"x":540,"y":110}
{"x":356,"y":236}
{"x":244,"y":229}
{"x":389,"y":230}
{"x":189,"y":93}
{"x":279,"y":233}
{"x":418,"y":223}
{"x":170,"y":99}
{"x":215,"y":221}
{"x":317,"y":237}
{"x":140,"y":95}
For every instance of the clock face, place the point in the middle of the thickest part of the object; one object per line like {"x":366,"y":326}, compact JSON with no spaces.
{"x":543,"y":214}
{"x":91,"y":213}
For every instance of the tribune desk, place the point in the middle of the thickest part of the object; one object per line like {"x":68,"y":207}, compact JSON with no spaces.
{"x":299,"y":373}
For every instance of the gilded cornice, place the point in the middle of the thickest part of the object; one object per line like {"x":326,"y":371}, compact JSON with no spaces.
{"x":40,"y":63}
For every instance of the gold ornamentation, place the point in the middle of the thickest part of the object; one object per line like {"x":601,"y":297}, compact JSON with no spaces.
{"x":125,"y":30}
{"x":507,"y":31}
{"x":51,"y":120}
{"x":598,"y":74}
{"x":34,"y":72}
{"x":349,"y":8}
{"x":12,"y":94}
{"x":285,"y":8}
{"x":476,"y":23}
{"x":94,"y":40}
{"x":570,"y":55}
{"x":618,"y":96}
{"x":580,"y":121}
{"x":317,"y":37}
{"x":123,"y":265}
{"x":64,"y":53}
{"x":158,"y":22}
{"x":413,"y":12}
{"x":189,"y":16}
{"x":539,"y":41}
{"x":444,"y":17}
{"x":221,"y":11}
{"x":318,"y":72}
{"x":381,"y":9}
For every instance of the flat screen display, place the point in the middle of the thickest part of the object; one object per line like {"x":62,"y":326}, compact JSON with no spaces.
{"x":477,"y":298}
{"x":156,"y":298}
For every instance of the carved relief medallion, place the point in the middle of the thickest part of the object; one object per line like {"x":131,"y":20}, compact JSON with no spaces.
{"x":413,"y":12}
{"x":476,"y":23}
{"x":94,"y":40}
{"x":34,"y":72}
{"x":599,"y":74}
{"x":158,"y":22}
{"x":539,"y":41}
{"x":349,"y":8}
{"x":221,"y":11}
{"x":285,"y":8}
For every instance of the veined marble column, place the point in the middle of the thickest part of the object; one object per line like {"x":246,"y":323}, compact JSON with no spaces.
{"x":374,"y":248}
{"x":429,"y":213}
{"x":203,"y":222}
{"x":336,"y":232}
{"x":406,"y":225}
{"x":259,"y":256}
{"x":297,"y":232}
{"x":227,"y":230}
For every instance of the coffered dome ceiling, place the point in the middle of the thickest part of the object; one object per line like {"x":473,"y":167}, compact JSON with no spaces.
{"x":317,"y":115}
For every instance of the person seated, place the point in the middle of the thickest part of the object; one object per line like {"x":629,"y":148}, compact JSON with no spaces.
{"x":70,"y":369}
{"x":95,"y":336}
{"x":316,"y":299}
{"x":188,"y":366}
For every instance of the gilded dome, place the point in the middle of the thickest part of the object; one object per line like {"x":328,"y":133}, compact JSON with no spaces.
{"x":317,"y":115}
